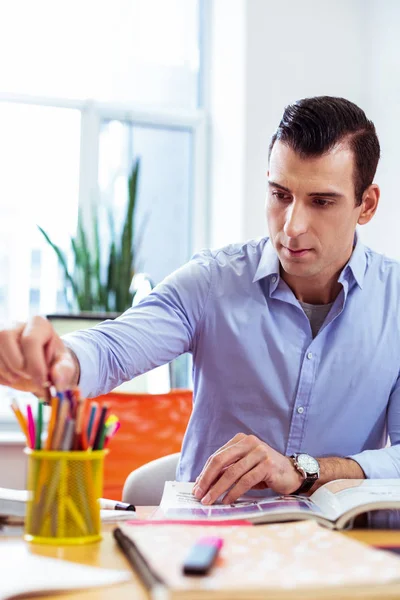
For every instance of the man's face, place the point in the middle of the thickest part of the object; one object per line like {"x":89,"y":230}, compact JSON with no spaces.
{"x":311,"y":211}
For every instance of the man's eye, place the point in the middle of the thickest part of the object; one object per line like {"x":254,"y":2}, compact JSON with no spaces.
{"x":281,"y":195}
{"x":322,"y":202}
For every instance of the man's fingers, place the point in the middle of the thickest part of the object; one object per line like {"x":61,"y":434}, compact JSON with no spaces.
{"x":11,"y":359}
{"x":7,"y":377}
{"x":30,"y":353}
{"x":248,"y":481}
{"x":24,"y":385}
{"x":62,"y":371}
{"x":237,"y":438}
{"x":34,"y":338}
{"x":233,"y":474}
{"x":220,"y":463}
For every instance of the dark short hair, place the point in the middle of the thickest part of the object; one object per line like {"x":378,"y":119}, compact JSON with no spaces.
{"x":313,"y":126}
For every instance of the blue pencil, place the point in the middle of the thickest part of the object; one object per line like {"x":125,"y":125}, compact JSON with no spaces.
{"x":93,"y":410}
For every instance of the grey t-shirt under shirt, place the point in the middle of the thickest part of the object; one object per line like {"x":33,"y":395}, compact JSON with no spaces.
{"x":316,"y":314}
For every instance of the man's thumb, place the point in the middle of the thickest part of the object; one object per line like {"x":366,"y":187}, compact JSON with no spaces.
{"x":63,"y":372}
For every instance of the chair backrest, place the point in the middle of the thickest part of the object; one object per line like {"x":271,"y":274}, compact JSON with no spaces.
{"x":145,"y":485}
{"x":152,"y":425}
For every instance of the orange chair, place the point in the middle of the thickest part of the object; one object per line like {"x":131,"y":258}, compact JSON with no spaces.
{"x":152,"y":425}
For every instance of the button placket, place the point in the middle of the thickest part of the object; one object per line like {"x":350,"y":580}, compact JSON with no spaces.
{"x":305,"y":388}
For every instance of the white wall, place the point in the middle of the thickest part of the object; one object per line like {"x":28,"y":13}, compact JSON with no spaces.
{"x":290,"y":50}
{"x":228,"y":110}
{"x":294,"y":50}
{"x":383,"y":108}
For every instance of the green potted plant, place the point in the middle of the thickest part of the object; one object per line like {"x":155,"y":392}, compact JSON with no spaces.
{"x":96,"y":290}
{"x":89,"y":285}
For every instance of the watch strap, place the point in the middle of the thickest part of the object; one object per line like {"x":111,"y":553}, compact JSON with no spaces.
{"x":307,"y":484}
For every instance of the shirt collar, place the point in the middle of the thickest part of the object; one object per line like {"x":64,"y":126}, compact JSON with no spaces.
{"x":357,"y":263}
{"x":269,"y":262}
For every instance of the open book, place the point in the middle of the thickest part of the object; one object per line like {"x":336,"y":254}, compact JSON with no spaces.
{"x":334,"y":504}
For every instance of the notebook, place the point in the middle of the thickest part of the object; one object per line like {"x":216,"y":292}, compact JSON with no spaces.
{"x":266,"y":561}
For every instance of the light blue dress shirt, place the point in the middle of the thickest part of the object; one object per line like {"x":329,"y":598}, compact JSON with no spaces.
{"x":256,"y":367}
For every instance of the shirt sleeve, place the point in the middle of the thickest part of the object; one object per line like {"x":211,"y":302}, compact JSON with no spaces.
{"x":384,"y":463}
{"x":157,"y":330}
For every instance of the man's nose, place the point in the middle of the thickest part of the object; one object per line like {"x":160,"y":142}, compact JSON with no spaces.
{"x":296,"y":222}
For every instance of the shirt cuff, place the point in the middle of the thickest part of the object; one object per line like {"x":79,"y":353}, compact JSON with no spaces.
{"x":87,"y":362}
{"x":376,"y":464}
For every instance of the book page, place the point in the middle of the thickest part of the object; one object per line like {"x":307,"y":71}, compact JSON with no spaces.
{"x":178,"y":502}
{"x":255,"y":562}
{"x":337,"y":497}
{"x":13,"y":502}
{"x":24,"y":573}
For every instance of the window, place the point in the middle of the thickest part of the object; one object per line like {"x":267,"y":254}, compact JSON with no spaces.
{"x":163,"y":210}
{"x":131,"y":51}
{"x":39,"y":154}
{"x":88,"y":87}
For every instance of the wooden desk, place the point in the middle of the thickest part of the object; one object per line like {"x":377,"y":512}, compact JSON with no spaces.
{"x":106,"y":554}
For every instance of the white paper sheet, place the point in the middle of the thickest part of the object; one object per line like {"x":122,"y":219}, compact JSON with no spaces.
{"x":113,"y":516}
{"x":26,"y":573}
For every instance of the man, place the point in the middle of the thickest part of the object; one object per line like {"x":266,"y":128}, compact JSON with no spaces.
{"x":295,"y":338}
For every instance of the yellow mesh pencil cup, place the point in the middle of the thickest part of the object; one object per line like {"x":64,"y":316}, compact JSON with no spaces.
{"x":64,"y":490}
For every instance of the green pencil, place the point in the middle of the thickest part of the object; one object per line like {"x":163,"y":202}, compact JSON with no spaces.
{"x":102,"y":438}
{"x":39,"y":426}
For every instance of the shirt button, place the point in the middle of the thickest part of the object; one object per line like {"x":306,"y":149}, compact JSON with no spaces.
{"x":274,"y":279}
{"x":300,"y":410}
{"x":309,"y":355}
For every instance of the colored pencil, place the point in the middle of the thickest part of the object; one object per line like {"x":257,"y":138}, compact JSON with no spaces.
{"x":21,"y":419}
{"x":111,"y":433}
{"x":39,"y":426}
{"x":31,"y":426}
{"x":100,"y":426}
{"x":59,"y":430}
{"x":92,"y":416}
{"x":52,"y":422}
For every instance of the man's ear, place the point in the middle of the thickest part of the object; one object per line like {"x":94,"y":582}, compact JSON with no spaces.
{"x":370,"y":201}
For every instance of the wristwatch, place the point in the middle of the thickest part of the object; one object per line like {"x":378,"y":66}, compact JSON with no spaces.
{"x":308,"y":466}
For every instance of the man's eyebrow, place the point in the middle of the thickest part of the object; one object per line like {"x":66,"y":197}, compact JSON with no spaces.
{"x":311,"y":194}
{"x":278,"y":185}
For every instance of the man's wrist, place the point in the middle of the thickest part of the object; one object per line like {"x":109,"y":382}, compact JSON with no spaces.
{"x":77,"y":368}
{"x":335,"y":467}
{"x":298,"y":478}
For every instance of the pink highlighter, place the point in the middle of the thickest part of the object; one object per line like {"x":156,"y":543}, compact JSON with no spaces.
{"x":202,"y":555}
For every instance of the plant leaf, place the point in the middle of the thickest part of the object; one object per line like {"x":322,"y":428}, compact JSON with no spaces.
{"x":62,"y":261}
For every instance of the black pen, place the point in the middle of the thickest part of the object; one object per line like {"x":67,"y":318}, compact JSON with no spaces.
{"x":115,"y":505}
{"x":156,"y":586}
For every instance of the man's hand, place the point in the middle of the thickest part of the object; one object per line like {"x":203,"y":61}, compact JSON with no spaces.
{"x":242,"y":464}
{"x":33,"y":356}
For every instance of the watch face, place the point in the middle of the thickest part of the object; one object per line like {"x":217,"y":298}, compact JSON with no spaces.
{"x":308,"y":463}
